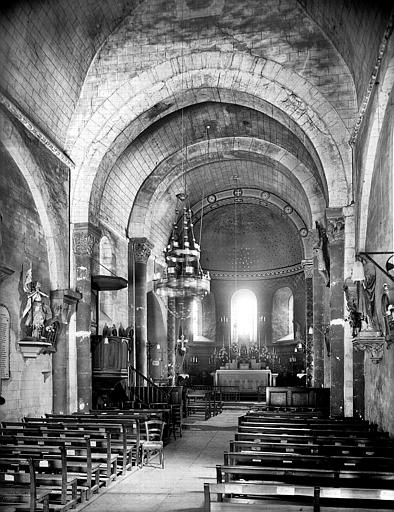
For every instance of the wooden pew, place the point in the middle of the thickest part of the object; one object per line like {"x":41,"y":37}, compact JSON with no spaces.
{"x":50,"y":475}
{"x":307,"y":476}
{"x":129,"y":427}
{"x":300,"y":460}
{"x":199,"y":403}
{"x":351,"y":426}
{"x":312,"y":448}
{"x":361,"y":440}
{"x":222,"y":497}
{"x":309,"y":432}
{"x":69,"y":458}
{"x":19,"y":490}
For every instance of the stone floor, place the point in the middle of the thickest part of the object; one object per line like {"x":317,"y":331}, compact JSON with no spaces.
{"x":189,"y":462}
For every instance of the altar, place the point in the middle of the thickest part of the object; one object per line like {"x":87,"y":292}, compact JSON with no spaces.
{"x":246,"y":380}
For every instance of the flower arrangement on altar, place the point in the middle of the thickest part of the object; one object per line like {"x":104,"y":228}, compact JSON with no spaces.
{"x":244,"y":355}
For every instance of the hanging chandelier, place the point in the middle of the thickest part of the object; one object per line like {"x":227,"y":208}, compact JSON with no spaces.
{"x":183,"y":275}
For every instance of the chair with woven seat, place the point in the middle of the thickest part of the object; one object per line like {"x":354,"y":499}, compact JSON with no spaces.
{"x":154,"y":441}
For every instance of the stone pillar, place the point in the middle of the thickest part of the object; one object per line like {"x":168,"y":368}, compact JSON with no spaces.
{"x":139,"y":252}
{"x":63,"y":303}
{"x":336,"y":238}
{"x":85,"y":237}
{"x":309,"y":352}
{"x":349,"y":258}
{"x":171,"y":339}
{"x":319,"y":327}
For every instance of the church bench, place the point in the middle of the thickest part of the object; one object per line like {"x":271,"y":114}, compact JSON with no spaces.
{"x":284,"y":438}
{"x":222,"y":497}
{"x":216,"y":396}
{"x":305,"y":424}
{"x":49,"y":475}
{"x":69,"y":458}
{"x":312,"y":448}
{"x":114,"y":439}
{"x":310,"y":432}
{"x":112,"y":442}
{"x":300,"y":460}
{"x":142,"y":415}
{"x":383,"y":480}
{"x":199,"y":403}
{"x":295,"y":420}
{"x":18,"y":490}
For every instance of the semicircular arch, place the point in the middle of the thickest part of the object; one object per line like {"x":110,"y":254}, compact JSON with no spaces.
{"x":259,"y":77}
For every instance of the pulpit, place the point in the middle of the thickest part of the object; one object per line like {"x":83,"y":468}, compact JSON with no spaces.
{"x":248,"y":381}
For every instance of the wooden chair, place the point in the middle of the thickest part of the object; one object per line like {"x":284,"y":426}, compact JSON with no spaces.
{"x":154,"y":441}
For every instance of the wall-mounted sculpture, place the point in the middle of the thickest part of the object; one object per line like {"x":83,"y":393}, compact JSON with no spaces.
{"x":320,"y":250}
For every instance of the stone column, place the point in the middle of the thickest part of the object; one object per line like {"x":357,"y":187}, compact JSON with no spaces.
{"x":85,"y":237}
{"x":349,"y":257}
{"x":171,"y":339}
{"x":309,"y":352}
{"x":319,"y":327}
{"x":336,"y":238}
{"x":139,"y":252}
{"x":63,"y":303}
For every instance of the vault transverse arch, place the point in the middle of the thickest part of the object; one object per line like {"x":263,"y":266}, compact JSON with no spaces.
{"x":151,"y":193}
{"x":259,"y":77}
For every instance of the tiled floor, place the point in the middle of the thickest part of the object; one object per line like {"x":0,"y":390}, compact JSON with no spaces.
{"x":189,"y":462}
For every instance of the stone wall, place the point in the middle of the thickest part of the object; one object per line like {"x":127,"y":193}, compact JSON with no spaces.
{"x":28,"y":391}
{"x":379,"y":378}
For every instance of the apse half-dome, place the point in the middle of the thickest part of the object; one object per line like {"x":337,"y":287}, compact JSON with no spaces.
{"x":248,"y":237}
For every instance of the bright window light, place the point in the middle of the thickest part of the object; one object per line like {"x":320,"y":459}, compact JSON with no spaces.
{"x":244,"y":317}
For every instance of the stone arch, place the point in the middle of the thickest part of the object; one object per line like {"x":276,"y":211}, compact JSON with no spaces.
{"x":260,"y":77}
{"x":21,"y":155}
{"x":142,"y":217}
{"x":386,"y":88}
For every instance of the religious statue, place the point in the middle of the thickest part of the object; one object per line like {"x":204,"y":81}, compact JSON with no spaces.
{"x":355,"y":316}
{"x":368,"y":295}
{"x":37,"y":311}
{"x":321,"y":253}
{"x":388,"y":312}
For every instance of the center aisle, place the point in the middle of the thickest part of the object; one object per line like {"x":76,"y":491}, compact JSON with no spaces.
{"x":189,"y":462}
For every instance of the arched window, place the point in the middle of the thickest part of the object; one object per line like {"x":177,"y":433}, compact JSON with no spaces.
{"x":282,"y":314}
{"x":243,"y":317}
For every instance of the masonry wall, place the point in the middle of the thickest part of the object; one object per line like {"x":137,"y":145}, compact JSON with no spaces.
{"x":28,"y":391}
{"x":379,"y":378}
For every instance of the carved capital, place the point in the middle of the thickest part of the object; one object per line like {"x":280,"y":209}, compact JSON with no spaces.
{"x":307,"y":265}
{"x":336,"y":229}
{"x":371,"y":342}
{"x":141,"y":249}
{"x":85,"y":237}
{"x":84,"y":243}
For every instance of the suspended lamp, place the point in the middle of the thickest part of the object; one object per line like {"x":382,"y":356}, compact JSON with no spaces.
{"x":183,"y":275}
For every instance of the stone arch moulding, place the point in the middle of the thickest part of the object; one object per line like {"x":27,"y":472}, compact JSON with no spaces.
{"x":18,"y":151}
{"x":259,"y":77}
{"x":167,"y":172}
{"x":386,"y":87}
